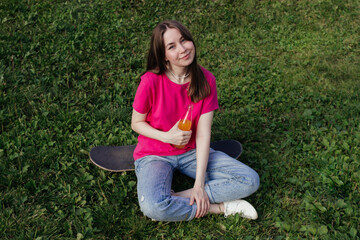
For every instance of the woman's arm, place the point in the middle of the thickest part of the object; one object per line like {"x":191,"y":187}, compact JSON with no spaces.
{"x":203,"y":136}
{"x":173,"y":136}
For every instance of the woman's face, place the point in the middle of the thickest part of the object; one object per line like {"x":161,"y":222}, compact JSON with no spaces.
{"x":179,"y":52}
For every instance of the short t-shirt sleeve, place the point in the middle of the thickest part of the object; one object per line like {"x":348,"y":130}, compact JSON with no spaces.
{"x":211,"y":101}
{"x":143,"y":97}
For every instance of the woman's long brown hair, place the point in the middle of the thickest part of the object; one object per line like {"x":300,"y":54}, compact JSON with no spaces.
{"x":199,"y":87}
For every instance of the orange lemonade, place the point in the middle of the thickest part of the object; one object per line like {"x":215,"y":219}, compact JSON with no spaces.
{"x":185,"y":125}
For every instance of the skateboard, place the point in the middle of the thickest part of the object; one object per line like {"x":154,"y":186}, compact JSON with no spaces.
{"x":120,"y":158}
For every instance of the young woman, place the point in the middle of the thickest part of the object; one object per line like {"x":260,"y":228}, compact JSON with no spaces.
{"x":172,"y":82}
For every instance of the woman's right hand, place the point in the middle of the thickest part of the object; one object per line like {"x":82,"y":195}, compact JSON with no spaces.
{"x":176,"y":136}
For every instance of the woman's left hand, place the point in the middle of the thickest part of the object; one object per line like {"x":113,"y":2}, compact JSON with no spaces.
{"x":201,"y":198}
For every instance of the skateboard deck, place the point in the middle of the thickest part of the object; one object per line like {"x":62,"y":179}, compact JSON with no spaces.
{"x":120,"y":158}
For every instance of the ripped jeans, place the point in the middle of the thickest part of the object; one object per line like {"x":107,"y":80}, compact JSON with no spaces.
{"x":226,"y":179}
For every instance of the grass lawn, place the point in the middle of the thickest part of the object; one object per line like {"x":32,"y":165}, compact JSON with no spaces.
{"x":288,"y":82}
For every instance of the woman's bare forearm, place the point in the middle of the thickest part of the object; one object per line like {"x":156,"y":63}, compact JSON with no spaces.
{"x":203,"y":137}
{"x":140,"y":126}
{"x":202,"y":156}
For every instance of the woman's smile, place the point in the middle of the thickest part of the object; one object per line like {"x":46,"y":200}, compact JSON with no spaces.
{"x":186,"y":56}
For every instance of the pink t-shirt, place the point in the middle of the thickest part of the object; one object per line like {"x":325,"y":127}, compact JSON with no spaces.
{"x":165,"y":102}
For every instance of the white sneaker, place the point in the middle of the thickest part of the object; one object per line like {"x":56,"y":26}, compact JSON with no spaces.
{"x":242,"y":207}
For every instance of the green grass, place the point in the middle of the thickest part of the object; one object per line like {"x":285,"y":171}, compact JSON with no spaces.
{"x":288,"y":82}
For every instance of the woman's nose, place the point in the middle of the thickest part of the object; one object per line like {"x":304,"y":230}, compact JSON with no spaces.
{"x":182,"y":47}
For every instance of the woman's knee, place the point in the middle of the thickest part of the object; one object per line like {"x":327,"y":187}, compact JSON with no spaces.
{"x":249,"y":182}
{"x":256,"y":180}
{"x":155,"y":208}
{"x":253,"y":181}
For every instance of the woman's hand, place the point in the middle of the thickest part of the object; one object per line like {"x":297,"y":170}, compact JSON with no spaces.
{"x":176,"y":136}
{"x":201,"y":198}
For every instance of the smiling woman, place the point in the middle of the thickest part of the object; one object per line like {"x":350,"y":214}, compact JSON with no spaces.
{"x":174,"y":83}
{"x":288,"y":88}
{"x":158,"y":63}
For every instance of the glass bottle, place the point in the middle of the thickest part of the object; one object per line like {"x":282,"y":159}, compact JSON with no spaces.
{"x":185,"y":123}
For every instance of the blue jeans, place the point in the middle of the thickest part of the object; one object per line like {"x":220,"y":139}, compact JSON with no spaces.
{"x":226,"y":179}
